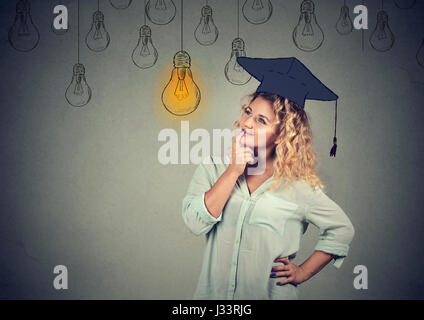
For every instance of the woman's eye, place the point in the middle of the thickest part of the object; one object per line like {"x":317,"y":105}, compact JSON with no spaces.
{"x":247,"y":111}
{"x":262,"y":121}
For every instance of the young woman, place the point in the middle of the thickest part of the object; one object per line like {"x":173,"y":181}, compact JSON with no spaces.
{"x":253,"y":222}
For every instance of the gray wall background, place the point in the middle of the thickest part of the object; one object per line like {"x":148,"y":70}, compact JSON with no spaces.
{"x":83,"y":187}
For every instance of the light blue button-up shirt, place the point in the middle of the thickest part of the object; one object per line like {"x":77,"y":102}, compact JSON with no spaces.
{"x":254,"y":229}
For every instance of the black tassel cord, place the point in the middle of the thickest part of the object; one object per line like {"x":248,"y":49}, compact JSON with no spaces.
{"x":334,"y":148}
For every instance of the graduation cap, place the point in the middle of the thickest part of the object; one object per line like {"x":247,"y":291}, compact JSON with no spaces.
{"x":289,"y":78}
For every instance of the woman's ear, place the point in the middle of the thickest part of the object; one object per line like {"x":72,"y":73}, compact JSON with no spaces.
{"x":278,"y":138}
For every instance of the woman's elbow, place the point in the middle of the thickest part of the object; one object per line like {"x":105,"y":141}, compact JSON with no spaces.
{"x":350,"y":231}
{"x":193,"y":223}
{"x":196,"y":227}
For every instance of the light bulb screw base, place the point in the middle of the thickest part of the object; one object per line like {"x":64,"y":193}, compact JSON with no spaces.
{"x":182,"y":59}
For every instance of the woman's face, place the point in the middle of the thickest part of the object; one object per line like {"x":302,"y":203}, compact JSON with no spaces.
{"x":257,"y":117}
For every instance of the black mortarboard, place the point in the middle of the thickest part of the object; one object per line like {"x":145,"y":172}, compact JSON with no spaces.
{"x":289,"y":78}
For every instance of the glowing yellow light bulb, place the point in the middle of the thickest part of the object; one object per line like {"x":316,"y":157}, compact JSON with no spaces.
{"x":181,"y":95}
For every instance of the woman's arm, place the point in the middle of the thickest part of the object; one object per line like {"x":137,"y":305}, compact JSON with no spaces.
{"x":336,"y":229}
{"x":217,"y":196}
{"x":194,"y":212}
{"x":314,"y":264}
{"x":297,"y":274}
{"x":205,"y":199}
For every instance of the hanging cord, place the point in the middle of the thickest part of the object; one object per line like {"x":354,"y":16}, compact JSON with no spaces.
{"x":238,"y":18}
{"x":78,"y":31}
{"x":334,"y":148}
{"x":382,"y":4}
{"x":98,"y":5}
{"x":144,"y":12}
{"x":182,"y":1}
{"x":363,"y":32}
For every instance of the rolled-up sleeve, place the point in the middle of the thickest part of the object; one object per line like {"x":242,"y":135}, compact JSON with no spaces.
{"x":195,"y":214}
{"x":336,"y":229}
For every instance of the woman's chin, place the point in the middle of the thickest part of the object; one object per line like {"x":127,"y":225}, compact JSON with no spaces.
{"x":248,"y":141}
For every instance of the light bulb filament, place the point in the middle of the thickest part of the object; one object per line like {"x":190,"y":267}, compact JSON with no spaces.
{"x":23,"y":28}
{"x":206,"y":28}
{"x":382,"y":32}
{"x":237,"y":67}
{"x":345,"y":18}
{"x":181,"y":91}
{"x":257,"y":5}
{"x":98,"y":33}
{"x":145,"y":49}
{"x":160,"y":5}
{"x":79,"y":90}
{"x":307,"y":30}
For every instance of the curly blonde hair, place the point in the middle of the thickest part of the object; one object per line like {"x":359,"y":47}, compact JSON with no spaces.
{"x":294,"y":158}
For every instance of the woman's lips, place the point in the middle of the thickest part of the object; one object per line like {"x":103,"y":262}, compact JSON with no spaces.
{"x":249,"y":133}
{"x":248,"y":138}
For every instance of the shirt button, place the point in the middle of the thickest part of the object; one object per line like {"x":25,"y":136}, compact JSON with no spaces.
{"x":232,"y":284}
{"x":237,"y":241}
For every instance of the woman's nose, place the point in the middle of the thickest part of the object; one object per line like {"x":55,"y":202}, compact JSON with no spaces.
{"x":249,"y":122}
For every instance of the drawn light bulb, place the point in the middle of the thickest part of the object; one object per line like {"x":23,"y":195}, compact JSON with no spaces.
{"x":181,"y":95}
{"x":98,"y":38}
{"x":405,"y":4}
{"x":233,"y":71}
{"x":145,"y":54}
{"x":344,"y":25}
{"x":120,"y":4}
{"x":23,"y":35}
{"x":420,"y":54}
{"x":78,"y":92}
{"x":206,"y":32}
{"x":308,"y":35}
{"x":257,"y":11}
{"x":382,"y":39}
{"x":160,"y":11}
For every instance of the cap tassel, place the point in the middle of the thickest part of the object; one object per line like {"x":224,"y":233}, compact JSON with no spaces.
{"x":334,"y":148}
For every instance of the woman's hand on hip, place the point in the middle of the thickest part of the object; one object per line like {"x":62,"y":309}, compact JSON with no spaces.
{"x":295,"y":274}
